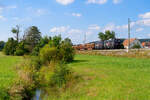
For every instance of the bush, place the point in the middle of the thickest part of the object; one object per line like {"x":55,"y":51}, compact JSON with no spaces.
{"x":61,"y":74}
{"x":4,"y":95}
{"x":63,"y":52}
{"x":20,"y":49}
{"x":2,"y":44}
{"x":41,"y":44}
{"x":56,"y":41}
{"x":19,"y":52}
{"x":136,"y":46}
{"x":67,"y":51}
{"x":54,"y":75}
{"x":48,"y":54}
{"x":36,"y":50}
{"x":24,"y":85}
{"x":10,"y":47}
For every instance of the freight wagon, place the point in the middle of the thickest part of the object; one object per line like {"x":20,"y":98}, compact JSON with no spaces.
{"x":99,"y":45}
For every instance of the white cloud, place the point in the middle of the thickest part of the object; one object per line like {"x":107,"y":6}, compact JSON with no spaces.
{"x":65,"y":2}
{"x":65,"y":29}
{"x":77,"y":35}
{"x":72,"y":31}
{"x":145,"y":19}
{"x":122,"y":27}
{"x":36,"y":12}
{"x":139,"y":29}
{"x":97,"y":1}
{"x":59,"y":30}
{"x":143,"y":22}
{"x":94,"y":27}
{"x":2,"y":8}
{"x":116,"y":1}
{"x":2,"y":18}
{"x":11,"y":7}
{"x":110,"y":26}
{"x":148,"y":35}
{"x":76,"y":14}
{"x":146,"y":15}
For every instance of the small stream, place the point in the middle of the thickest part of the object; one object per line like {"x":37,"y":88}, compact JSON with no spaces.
{"x":37,"y":95}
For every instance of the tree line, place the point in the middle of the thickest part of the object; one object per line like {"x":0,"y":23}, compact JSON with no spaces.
{"x":44,"y":65}
{"x":32,"y":42}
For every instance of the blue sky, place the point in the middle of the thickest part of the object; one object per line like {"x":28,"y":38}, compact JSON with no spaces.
{"x":75,"y":18}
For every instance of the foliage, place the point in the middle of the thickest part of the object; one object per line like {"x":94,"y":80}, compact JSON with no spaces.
{"x":16,"y":31}
{"x":61,"y":75}
{"x":43,"y":41}
{"x":107,"y":35}
{"x":48,"y":63}
{"x":102,"y":36}
{"x":32,"y":37}
{"x":36,"y":62}
{"x":10,"y":46}
{"x":58,"y":50}
{"x":4,"y":95}
{"x":21,"y":49}
{"x":56,"y":41}
{"x":54,"y":75}
{"x":136,"y":46}
{"x":67,"y":51}
{"x":19,"y":52}
{"x":24,"y":86}
{"x":48,"y":54}
{"x":2,"y":44}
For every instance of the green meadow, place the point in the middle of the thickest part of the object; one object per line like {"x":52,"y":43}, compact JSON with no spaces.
{"x":110,"y":78}
{"x":102,"y":77}
{"x":7,"y":70}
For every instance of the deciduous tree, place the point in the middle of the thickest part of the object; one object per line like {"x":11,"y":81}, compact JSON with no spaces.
{"x":16,"y":31}
{"x":32,"y":37}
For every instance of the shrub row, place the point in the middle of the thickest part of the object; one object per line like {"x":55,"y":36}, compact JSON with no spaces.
{"x":45,"y":70}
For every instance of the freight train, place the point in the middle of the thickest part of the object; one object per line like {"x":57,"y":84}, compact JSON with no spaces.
{"x":100,"y":45}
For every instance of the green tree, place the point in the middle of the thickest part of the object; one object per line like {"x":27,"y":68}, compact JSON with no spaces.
{"x":102,"y":36}
{"x":32,"y":37}
{"x":2,"y":43}
{"x":136,"y":46}
{"x":21,"y":49}
{"x":67,"y":51}
{"x":16,"y":31}
{"x":10,"y":46}
{"x":43,"y":41}
{"x":48,"y":54}
{"x":56,"y":41}
{"x":107,"y":35}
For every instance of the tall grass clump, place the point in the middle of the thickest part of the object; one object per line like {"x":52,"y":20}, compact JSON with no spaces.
{"x":25,"y":84}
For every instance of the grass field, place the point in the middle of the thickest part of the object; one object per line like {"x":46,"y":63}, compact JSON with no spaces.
{"x":7,"y":70}
{"x":103,"y":78}
{"x":110,"y":78}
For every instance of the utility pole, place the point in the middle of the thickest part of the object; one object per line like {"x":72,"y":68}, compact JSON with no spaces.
{"x":128,"y":35}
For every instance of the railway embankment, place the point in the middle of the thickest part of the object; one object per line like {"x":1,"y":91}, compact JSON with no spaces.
{"x":136,"y":53}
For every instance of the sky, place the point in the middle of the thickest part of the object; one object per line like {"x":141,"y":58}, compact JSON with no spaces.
{"x":76,"y":19}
